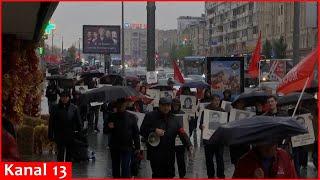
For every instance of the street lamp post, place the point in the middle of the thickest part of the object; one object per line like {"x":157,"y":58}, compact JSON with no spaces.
{"x":151,"y":9}
{"x":122,"y":40}
{"x":296,"y":32}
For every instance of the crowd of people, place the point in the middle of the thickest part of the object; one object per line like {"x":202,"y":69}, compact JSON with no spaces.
{"x":261,"y":160}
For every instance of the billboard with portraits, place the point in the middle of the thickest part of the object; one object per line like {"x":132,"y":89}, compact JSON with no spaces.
{"x":226,"y":73}
{"x":101,"y":39}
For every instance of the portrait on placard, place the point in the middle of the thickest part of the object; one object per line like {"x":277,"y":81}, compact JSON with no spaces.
{"x":151,"y":77}
{"x":81,"y":89}
{"x":183,"y":118}
{"x":212,"y":120}
{"x":237,"y":114}
{"x":188,"y":104}
{"x":155,"y":95}
{"x":304,"y":139}
{"x":167,"y":94}
{"x":226,"y":105}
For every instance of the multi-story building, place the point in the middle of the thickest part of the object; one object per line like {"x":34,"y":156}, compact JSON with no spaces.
{"x":197,"y":35}
{"x":185,"y":21}
{"x":135,"y":42}
{"x":166,"y":39}
{"x":234,"y":27}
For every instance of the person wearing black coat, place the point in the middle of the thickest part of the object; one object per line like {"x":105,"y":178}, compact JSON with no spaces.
{"x":52,"y":92}
{"x":162,"y":123}
{"x":64,"y":123}
{"x":124,"y":138}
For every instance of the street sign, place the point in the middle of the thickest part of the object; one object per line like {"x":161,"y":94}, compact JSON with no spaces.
{"x":50,"y":26}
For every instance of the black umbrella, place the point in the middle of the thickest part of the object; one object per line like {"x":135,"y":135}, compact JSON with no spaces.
{"x":293,"y":98}
{"x":251,"y":98}
{"x":109,"y":93}
{"x":113,"y":79}
{"x":162,"y":87}
{"x":56,"y":77}
{"x":196,"y":84}
{"x":257,"y":129}
{"x":92,"y":74}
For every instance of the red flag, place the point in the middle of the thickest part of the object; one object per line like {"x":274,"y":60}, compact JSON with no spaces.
{"x":177,"y":74}
{"x":253,"y":69}
{"x":297,"y":76}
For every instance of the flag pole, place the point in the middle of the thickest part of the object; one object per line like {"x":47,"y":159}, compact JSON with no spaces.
{"x":259,"y":74}
{"x":304,"y":88}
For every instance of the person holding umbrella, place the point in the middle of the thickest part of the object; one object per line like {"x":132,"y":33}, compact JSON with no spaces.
{"x":161,"y":124}
{"x":124,"y":139}
{"x":213,"y":149}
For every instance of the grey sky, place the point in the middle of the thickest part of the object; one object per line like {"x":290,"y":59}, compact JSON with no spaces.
{"x":69,"y":16}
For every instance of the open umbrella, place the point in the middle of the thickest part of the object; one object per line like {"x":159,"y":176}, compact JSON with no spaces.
{"x":196,"y":84}
{"x":257,"y":129}
{"x":162,"y":87}
{"x":92,"y":74}
{"x":109,"y":93}
{"x":113,"y":79}
{"x":292,"y":98}
{"x":56,"y":77}
{"x":251,"y":98}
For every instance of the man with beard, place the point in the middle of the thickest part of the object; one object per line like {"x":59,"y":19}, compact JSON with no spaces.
{"x":162,"y":123}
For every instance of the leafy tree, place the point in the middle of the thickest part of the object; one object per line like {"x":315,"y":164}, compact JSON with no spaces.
{"x":280,"y":47}
{"x":267,"y":49}
{"x":72,"y":52}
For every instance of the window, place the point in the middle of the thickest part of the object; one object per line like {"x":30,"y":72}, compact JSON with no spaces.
{"x":281,"y":10}
{"x":250,"y":5}
{"x":255,"y":30}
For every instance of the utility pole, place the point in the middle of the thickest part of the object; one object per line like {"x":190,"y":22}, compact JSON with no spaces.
{"x":52,"y":42}
{"x":296,"y":33}
{"x":79,"y":47}
{"x":151,"y":9}
{"x":122,"y":41}
{"x":62,"y":48}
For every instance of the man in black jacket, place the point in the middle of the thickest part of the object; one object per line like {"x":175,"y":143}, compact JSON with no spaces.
{"x":124,"y":138}
{"x":52,"y":92}
{"x":64,"y":122}
{"x":162,"y":123}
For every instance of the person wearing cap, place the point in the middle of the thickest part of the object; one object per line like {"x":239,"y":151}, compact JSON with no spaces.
{"x":124,"y":139}
{"x":180,"y":149}
{"x":265,"y":160}
{"x":162,"y":123}
{"x":64,"y":122}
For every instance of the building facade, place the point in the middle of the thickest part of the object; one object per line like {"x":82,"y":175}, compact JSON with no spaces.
{"x":166,"y":39}
{"x":186,"y":21}
{"x":234,"y":27}
{"x":135,"y":43}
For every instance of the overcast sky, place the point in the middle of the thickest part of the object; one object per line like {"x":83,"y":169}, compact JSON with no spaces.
{"x":69,"y":16}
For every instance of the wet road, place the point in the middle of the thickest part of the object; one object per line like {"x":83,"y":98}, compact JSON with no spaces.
{"x":101,"y":167}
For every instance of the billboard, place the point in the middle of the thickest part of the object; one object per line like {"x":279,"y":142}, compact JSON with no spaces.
{"x":226,"y":73}
{"x":101,"y":39}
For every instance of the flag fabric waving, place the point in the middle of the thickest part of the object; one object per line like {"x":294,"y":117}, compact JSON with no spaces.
{"x":177,"y":74}
{"x":297,"y":76}
{"x":253,"y":69}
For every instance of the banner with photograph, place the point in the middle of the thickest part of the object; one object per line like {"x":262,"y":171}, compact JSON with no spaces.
{"x":81,"y":89}
{"x":226,"y":105}
{"x":183,"y":118}
{"x":201,"y":107}
{"x":304,"y":139}
{"x":167,"y":94}
{"x":237,"y":114}
{"x":152,"y":77}
{"x":155,"y":95}
{"x":226,"y":73}
{"x":188,"y":104}
{"x":101,"y":39}
{"x":211,"y":121}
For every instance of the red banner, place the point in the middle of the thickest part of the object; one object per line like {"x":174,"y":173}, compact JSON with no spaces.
{"x":35,"y":170}
{"x":298,"y":75}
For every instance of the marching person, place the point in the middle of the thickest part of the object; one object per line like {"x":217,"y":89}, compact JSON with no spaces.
{"x":180,"y":149}
{"x":52,"y":92}
{"x":64,"y":122}
{"x":161,"y":123}
{"x":227,"y":95}
{"x":213,"y":149}
{"x":124,"y":139}
{"x":265,"y":160}
{"x":207,"y":96}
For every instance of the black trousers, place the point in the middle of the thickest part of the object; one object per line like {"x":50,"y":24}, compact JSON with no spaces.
{"x":93,"y":116}
{"x":180,"y":155}
{"x":162,"y":164}
{"x":121,"y":163}
{"x":210,"y":151}
{"x":62,"y":149}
